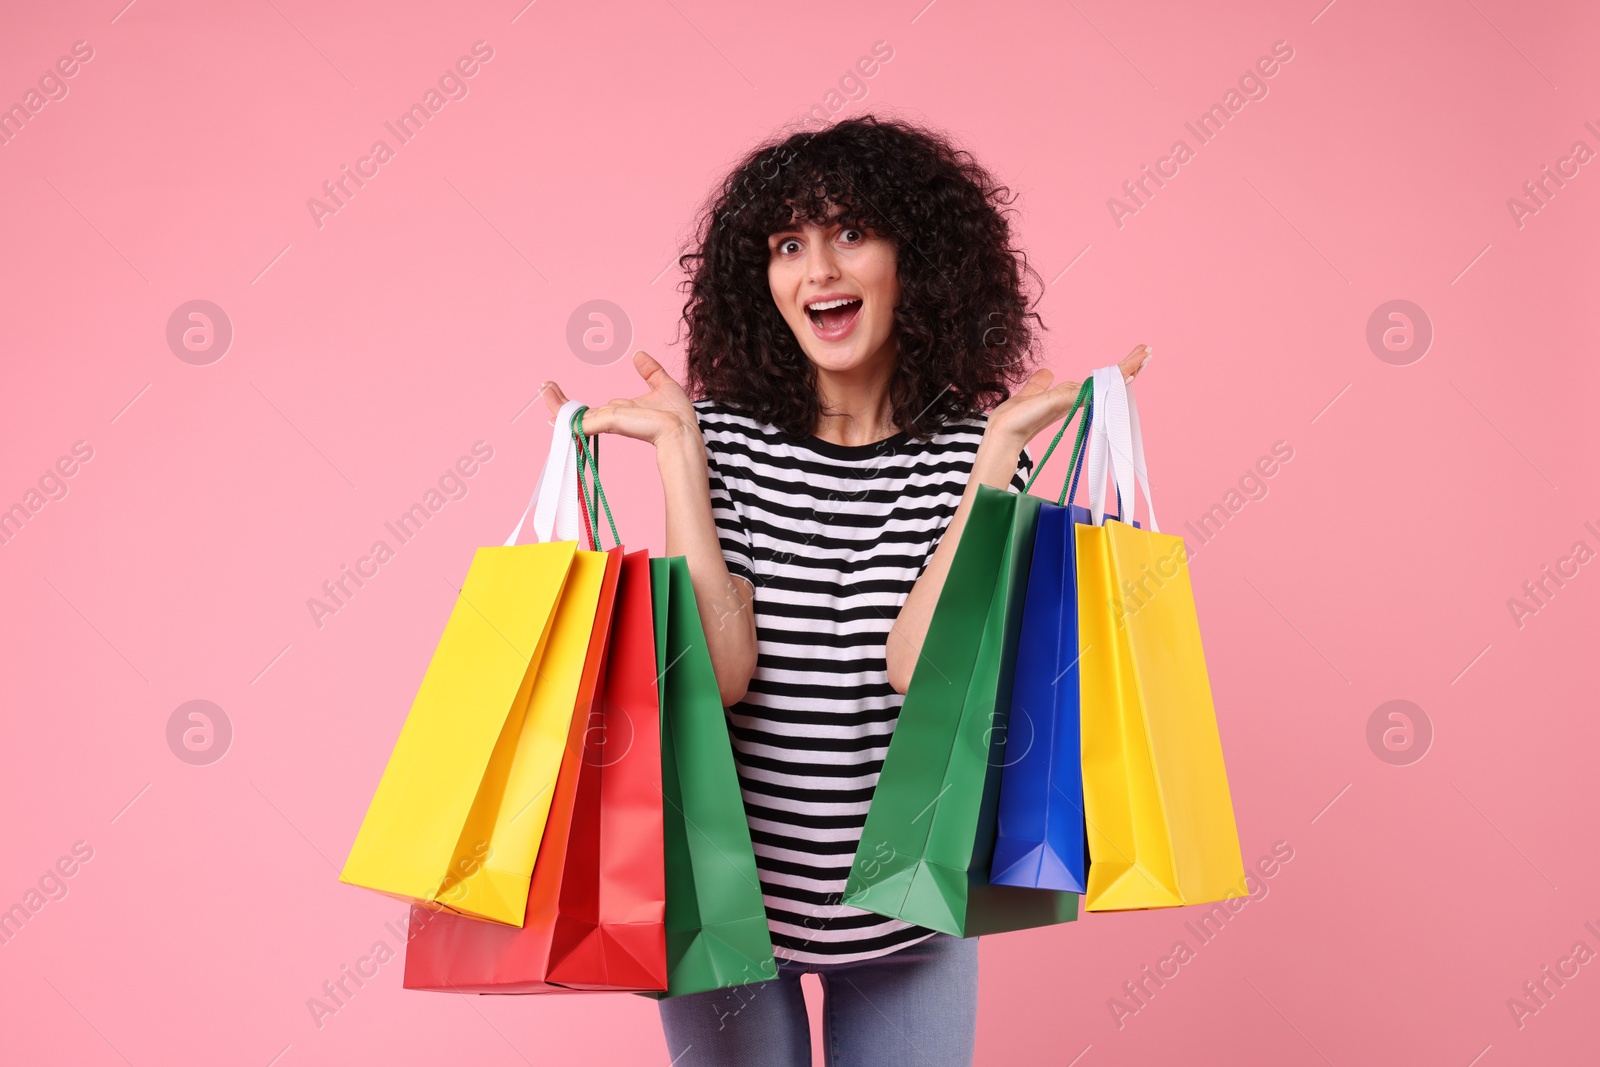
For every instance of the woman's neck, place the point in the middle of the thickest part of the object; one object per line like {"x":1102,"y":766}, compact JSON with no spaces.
{"x":855,"y":405}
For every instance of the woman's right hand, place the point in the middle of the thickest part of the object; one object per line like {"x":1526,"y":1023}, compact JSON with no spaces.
{"x":655,"y":416}
{"x":1038,"y":404}
{"x":665,"y":418}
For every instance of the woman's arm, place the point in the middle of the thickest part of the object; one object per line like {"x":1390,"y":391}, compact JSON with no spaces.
{"x":727,"y":604}
{"x":665,"y":418}
{"x":995,"y":464}
{"x":1011,"y":426}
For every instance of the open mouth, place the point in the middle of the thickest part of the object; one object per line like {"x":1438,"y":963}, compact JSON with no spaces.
{"x":833,"y":319}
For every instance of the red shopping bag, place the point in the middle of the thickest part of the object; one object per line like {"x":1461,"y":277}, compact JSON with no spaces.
{"x":596,"y":907}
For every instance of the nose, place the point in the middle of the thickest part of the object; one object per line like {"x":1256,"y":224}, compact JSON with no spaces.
{"x":821,"y":264}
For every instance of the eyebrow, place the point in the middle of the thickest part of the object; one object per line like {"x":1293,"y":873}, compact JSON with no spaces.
{"x":798,"y":226}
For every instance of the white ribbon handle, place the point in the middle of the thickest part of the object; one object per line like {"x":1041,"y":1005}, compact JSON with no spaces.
{"x":1115,"y":442}
{"x":554,"y":505}
{"x":1136,"y":456}
{"x":1106,"y":410}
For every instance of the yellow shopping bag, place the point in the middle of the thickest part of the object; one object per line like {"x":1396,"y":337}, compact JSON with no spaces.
{"x":1159,"y":815}
{"x":460,"y":811}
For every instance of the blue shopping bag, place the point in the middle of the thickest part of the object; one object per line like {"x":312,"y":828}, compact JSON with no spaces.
{"x":1040,"y":841}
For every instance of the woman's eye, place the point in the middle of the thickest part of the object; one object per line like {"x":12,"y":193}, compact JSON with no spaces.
{"x":788,"y":246}
{"x":852,"y":236}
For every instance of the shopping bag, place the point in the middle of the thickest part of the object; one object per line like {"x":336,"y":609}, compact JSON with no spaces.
{"x":716,"y":921}
{"x":1160,"y":820}
{"x":595,"y":907}
{"x":1039,"y":839}
{"x":925,"y":850}
{"x":596,"y":903}
{"x":459,"y":812}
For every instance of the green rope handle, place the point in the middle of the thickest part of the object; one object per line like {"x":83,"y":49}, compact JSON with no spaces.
{"x":587,"y":501}
{"x":1069,"y":482}
{"x":1084,"y":392}
{"x":589,"y":456}
{"x":589,"y":508}
{"x":583,"y":505}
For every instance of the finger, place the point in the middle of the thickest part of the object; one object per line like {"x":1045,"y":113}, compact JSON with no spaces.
{"x":1037,"y":382}
{"x":553,"y":398}
{"x":1134,"y":362}
{"x":598,"y":420}
{"x":645,"y":364}
{"x":652,"y":372}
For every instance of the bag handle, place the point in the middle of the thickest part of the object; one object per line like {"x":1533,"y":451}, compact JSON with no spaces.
{"x":1085,"y":397}
{"x":1117,"y":444}
{"x":554,"y":505}
{"x":589,"y":459}
{"x":1069,"y":491}
{"x":1069,"y":485}
{"x":1137,"y":456}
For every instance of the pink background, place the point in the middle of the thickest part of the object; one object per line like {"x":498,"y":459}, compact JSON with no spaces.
{"x":369,"y":353}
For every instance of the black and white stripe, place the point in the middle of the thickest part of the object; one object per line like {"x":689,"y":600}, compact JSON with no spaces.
{"x":832,"y":537}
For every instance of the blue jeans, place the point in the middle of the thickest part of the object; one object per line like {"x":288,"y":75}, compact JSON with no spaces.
{"x":915,"y":1007}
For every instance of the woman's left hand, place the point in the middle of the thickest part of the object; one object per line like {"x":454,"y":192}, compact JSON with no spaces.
{"x":1039,"y":404}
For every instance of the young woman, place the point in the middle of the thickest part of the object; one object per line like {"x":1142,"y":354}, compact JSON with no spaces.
{"x":855,"y":307}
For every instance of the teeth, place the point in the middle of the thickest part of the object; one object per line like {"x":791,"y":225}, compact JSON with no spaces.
{"x":826,"y":304}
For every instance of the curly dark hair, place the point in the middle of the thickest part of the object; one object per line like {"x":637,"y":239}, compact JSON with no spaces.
{"x":965,"y":326}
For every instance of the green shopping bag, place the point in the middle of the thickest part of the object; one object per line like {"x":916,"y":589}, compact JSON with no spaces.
{"x":925,"y":849}
{"x":716,"y":921}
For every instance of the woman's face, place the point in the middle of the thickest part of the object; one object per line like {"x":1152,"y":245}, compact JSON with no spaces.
{"x":837,"y":288}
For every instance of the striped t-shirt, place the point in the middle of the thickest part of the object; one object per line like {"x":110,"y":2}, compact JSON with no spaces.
{"x":832,"y":537}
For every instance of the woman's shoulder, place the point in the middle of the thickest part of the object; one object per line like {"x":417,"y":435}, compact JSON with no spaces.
{"x":711,"y":405}
{"x":720,"y":416}
{"x":968,"y":433}
{"x":965,"y":432}
{"x":971,"y":426}
{"x":732,"y":435}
